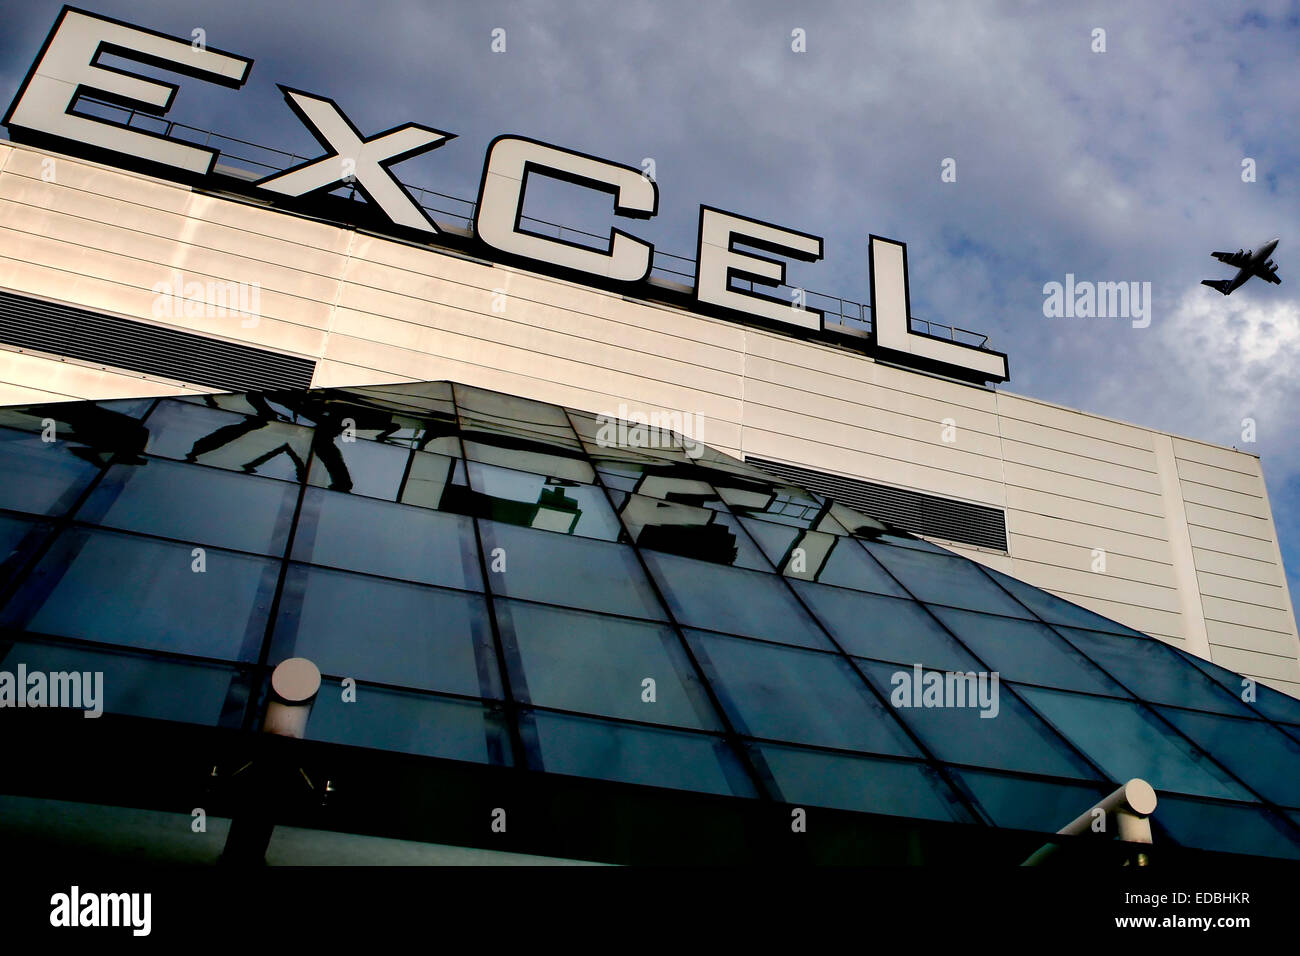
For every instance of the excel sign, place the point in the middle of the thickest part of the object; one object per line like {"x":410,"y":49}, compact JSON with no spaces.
{"x":47,"y":113}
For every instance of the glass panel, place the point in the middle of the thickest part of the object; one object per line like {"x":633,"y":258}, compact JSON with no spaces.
{"x":823,"y":557}
{"x":365,"y":534}
{"x":260,"y":404}
{"x":549,"y":504}
{"x":678,"y":483}
{"x":427,"y":400}
{"x":1227,"y":828}
{"x":191,"y":692}
{"x":948,"y":712}
{"x":41,"y":477}
{"x":141,"y":592}
{"x":1263,"y":757}
{"x":1151,"y":669}
{"x":389,"y":632}
{"x":783,"y":504}
{"x":646,"y":755}
{"x":855,"y":522}
{"x":871,"y":625}
{"x":937,"y":579}
{"x":536,"y":459}
{"x":1054,"y":610}
{"x":361,"y":467}
{"x":742,"y":602}
{"x":798,"y":696}
{"x":626,"y":440}
{"x":573,"y":660}
{"x":434,"y":481}
{"x":1027,"y":651}
{"x":409,"y":722}
{"x":101,"y":428}
{"x":352,"y":417}
{"x":1022,"y":803}
{"x":194,"y":504}
{"x":1268,"y":702}
{"x":560,"y":569}
{"x":209,"y":436}
{"x":19,"y":537}
{"x":491,"y":413}
{"x":907,"y":541}
{"x":682,"y":529}
{"x":1127,"y":741}
{"x":868,"y":784}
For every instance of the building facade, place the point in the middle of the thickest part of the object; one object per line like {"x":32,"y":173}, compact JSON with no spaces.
{"x":595,"y":554}
{"x":1181,"y":527}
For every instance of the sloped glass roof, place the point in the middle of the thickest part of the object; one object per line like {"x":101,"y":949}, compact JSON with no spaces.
{"x":514,"y":583}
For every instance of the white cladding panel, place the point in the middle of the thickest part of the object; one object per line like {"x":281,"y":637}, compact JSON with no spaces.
{"x":1184,"y":528}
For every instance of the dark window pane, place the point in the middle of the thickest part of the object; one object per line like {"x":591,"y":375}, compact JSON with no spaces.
{"x":1128,"y":741}
{"x":690,"y":530}
{"x":1268,"y":702}
{"x":869,"y":784}
{"x":397,"y":541}
{"x":101,"y":428}
{"x":644,"y":755}
{"x":1022,"y":803}
{"x":19,"y":538}
{"x":907,"y":541}
{"x":1226,"y":828}
{"x":210,"y":436}
{"x":821,"y":556}
{"x":938,"y":579}
{"x":409,"y":722}
{"x":891,"y":629}
{"x":798,"y":696}
{"x":365,"y":468}
{"x":548,"y":504}
{"x":952,"y":723}
{"x":574,"y":660}
{"x":389,"y":632}
{"x":1151,"y":669}
{"x":201,"y":505}
{"x":1054,"y":610}
{"x":140,"y":592}
{"x":41,"y":477}
{"x":143,"y":686}
{"x":1027,"y":651}
{"x":1264,"y":758}
{"x":561,"y":569}
{"x":742,"y":602}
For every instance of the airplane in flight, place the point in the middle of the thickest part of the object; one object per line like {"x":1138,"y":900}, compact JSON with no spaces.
{"x":1248,"y":264}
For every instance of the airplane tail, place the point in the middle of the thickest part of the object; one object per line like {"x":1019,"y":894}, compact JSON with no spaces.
{"x":1222,"y":285}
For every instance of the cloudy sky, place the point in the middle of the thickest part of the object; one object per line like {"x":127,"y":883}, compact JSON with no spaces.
{"x":1122,"y":165}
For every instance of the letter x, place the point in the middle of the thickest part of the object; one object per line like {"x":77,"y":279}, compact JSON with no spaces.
{"x":370,"y":159}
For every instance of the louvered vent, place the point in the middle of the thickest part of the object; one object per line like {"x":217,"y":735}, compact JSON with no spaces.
{"x":169,"y":353}
{"x":912,"y":511}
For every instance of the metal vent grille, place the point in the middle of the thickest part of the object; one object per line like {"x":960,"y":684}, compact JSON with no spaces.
{"x":912,"y":511}
{"x":168,"y":353}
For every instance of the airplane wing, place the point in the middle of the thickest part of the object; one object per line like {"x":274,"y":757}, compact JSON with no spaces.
{"x":1269,"y":274}
{"x":1238,"y":258}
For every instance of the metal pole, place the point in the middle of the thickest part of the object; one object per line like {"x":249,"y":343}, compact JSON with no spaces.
{"x":1132,"y":805}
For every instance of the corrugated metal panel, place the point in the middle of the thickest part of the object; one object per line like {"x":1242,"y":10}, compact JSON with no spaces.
{"x":912,"y":511}
{"x":168,"y":353}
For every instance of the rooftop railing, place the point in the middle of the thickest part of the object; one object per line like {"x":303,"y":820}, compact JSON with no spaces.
{"x":258,"y":161}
